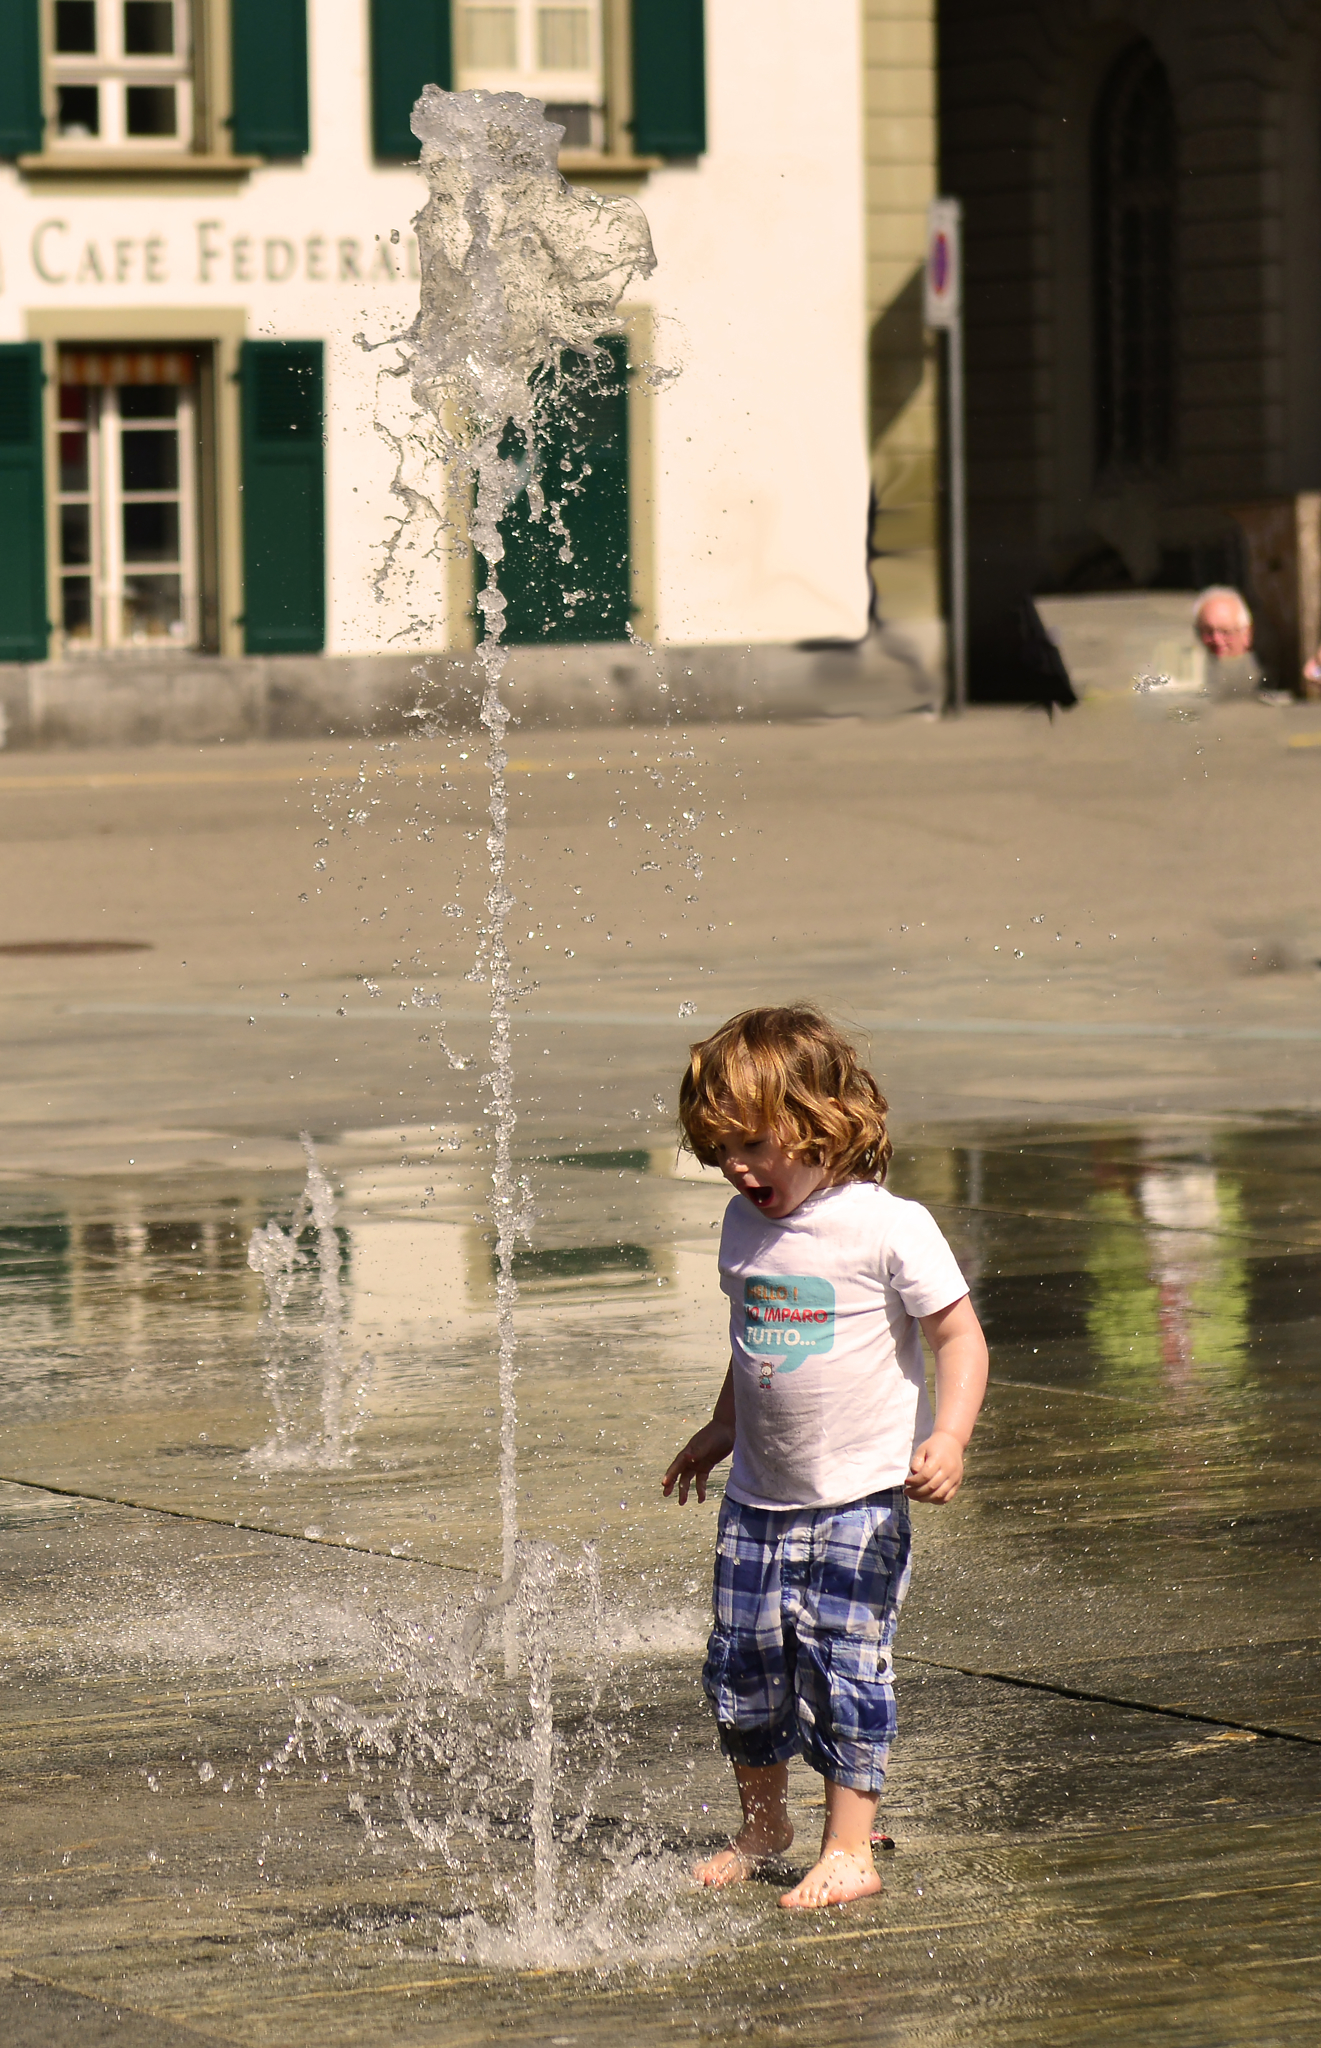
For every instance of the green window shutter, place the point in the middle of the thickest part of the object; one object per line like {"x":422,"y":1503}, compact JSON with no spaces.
{"x":284,"y":498}
{"x":669,"y":77}
{"x":411,"y":47}
{"x":20,"y":77}
{"x":270,"y":77}
{"x":23,"y":626}
{"x":582,"y":444}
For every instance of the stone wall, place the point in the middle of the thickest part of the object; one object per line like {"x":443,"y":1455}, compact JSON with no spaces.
{"x":899,"y":92}
{"x":201,"y":699}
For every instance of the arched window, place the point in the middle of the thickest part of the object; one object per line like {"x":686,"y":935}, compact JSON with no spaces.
{"x":1134,"y":173}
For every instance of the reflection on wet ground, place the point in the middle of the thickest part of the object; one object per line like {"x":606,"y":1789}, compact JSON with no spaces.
{"x":251,"y":1798}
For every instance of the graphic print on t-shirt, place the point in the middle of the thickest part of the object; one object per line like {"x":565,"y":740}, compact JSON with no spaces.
{"x":786,"y":1317}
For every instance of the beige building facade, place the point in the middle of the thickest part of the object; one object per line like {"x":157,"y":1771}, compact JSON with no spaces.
{"x":204,"y":207}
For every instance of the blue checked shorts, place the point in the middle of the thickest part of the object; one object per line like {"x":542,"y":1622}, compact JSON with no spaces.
{"x":806,"y":1604}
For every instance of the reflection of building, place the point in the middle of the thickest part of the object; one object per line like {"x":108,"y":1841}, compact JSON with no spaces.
{"x":115,"y":1272}
{"x":205,"y":203}
{"x":1169,"y":1287}
{"x":1141,"y":185}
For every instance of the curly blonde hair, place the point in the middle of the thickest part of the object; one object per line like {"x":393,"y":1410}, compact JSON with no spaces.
{"x":792,"y":1072}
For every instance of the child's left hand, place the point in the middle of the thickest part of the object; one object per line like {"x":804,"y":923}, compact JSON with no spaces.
{"x":936,"y":1472}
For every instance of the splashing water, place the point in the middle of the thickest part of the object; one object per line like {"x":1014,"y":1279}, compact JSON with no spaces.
{"x":456,"y":1762}
{"x":276,"y":1255}
{"x":518,"y":270}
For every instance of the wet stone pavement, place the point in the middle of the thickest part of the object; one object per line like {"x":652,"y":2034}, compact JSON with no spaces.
{"x":250,"y":1796}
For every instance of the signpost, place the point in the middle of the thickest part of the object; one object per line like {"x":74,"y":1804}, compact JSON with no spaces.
{"x":943,"y":305}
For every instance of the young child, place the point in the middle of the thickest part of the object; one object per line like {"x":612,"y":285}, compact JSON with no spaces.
{"x":825,"y":1410}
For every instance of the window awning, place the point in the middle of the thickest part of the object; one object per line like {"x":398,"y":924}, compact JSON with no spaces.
{"x":127,"y":366}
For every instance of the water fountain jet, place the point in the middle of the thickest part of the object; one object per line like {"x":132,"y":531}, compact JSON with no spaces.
{"x":518,"y":271}
{"x":277,"y":1257}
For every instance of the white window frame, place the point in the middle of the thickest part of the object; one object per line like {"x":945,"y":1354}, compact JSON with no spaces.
{"x":583,"y":87}
{"x":107,"y":498}
{"x":91,"y":497}
{"x":112,"y":70}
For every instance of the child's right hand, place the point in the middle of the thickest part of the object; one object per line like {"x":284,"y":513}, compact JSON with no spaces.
{"x":695,"y":1460}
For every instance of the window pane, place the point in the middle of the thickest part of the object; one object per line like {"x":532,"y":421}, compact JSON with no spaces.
{"x":563,"y":41}
{"x":153,"y":607}
{"x":78,"y":110}
{"x":1135,"y":206}
{"x":75,"y":534}
{"x":151,"y":110}
{"x":75,"y":27}
{"x":75,"y":402}
{"x":149,"y":28}
{"x":490,"y":38}
{"x":73,"y":462}
{"x":77,"y":607}
{"x":150,"y":461}
{"x":148,"y":401}
{"x":576,"y":121}
{"x":151,"y":533}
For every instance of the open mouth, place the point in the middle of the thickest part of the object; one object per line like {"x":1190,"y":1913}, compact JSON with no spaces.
{"x":761,"y":1196}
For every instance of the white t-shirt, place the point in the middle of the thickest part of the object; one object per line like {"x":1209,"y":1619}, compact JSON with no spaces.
{"x":829,"y":1384}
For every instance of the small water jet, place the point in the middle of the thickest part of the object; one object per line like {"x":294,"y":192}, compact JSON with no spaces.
{"x":300,"y":1443}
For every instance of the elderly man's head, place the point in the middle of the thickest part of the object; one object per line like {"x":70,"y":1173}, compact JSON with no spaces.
{"x":1222,"y":622}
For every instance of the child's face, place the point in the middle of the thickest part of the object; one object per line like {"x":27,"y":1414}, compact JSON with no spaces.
{"x":757,"y":1165}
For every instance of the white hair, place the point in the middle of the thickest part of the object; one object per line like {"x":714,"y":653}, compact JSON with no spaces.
{"x":1235,"y":597}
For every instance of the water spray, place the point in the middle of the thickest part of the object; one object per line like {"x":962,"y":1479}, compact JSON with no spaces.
{"x":518,"y":271}
{"x":277,"y":1256}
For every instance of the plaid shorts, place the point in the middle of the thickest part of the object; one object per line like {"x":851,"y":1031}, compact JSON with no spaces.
{"x":806,"y":1604}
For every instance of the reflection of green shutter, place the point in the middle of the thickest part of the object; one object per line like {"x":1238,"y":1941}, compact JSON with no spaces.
{"x":410,"y":48}
{"x":20,"y":77}
{"x":22,"y":505}
{"x":284,"y":511}
{"x":582,"y":445}
{"x":270,"y":77}
{"x":669,"y":78}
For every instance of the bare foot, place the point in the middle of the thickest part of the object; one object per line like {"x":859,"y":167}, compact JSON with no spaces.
{"x":750,"y":1848}
{"x":840,"y":1876}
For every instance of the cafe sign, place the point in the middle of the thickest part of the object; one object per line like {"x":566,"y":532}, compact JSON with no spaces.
{"x":62,"y":254}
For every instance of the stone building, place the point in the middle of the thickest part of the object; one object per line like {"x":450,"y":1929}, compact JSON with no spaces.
{"x":1141,"y":182}
{"x":206,"y":199}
